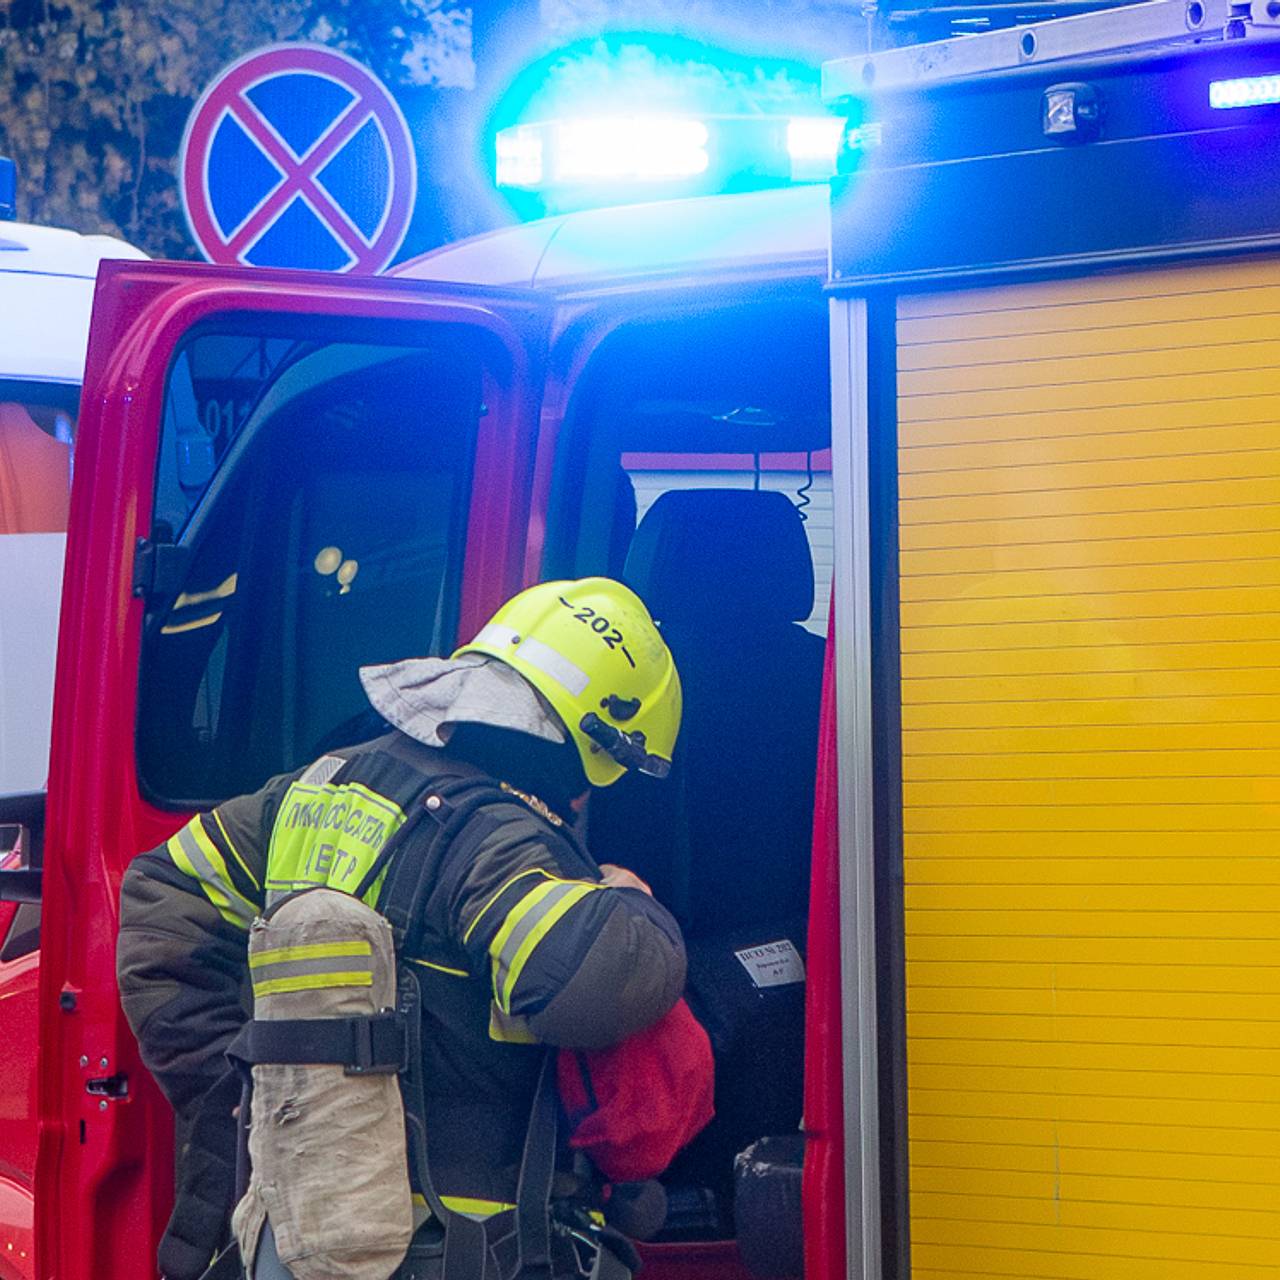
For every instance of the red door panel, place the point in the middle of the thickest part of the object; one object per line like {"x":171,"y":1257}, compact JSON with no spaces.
{"x":17,"y":1108}
{"x":104,"y":1165}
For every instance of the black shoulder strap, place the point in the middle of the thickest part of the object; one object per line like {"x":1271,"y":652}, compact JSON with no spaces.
{"x":448,"y":800}
{"x":443,"y":785}
{"x":537,"y":1169}
{"x":447,"y":805}
{"x":466,"y":1248}
{"x":467,"y":1255}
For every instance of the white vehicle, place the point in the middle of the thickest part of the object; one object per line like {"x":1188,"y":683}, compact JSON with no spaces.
{"x":46,"y":292}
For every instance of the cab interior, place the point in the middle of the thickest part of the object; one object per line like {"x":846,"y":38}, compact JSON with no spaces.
{"x":308,"y":489}
{"x":695,"y":466}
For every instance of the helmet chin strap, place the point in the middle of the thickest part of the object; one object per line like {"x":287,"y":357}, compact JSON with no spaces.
{"x":628,"y":749}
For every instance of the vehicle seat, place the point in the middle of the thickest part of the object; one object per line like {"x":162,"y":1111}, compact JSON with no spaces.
{"x":728,"y":575}
{"x":725,"y":840}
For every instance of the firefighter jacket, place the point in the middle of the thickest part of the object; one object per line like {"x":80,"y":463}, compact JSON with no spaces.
{"x":521,"y":946}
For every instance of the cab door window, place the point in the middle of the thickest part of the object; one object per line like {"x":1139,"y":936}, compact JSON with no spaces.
{"x":310,"y":505}
{"x":735,"y":398}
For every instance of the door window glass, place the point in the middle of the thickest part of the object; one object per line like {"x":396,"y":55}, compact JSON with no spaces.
{"x":803,"y":475}
{"x":312,"y":516}
{"x":213,"y":386}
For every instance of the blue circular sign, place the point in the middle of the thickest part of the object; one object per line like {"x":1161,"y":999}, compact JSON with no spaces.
{"x":298,"y":156}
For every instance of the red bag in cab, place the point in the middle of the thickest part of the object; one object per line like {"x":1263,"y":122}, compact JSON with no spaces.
{"x":633,"y":1106}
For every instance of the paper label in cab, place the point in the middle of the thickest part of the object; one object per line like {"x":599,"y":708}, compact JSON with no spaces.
{"x":773,"y":964}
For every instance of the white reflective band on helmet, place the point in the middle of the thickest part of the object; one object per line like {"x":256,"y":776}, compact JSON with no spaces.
{"x":554,"y":664}
{"x":496,"y":634}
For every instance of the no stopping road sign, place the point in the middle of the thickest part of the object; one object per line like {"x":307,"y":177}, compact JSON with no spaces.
{"x":298,"y":156}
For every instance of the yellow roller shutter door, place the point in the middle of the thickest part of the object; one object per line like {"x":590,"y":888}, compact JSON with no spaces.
{"x":1090,"y":560}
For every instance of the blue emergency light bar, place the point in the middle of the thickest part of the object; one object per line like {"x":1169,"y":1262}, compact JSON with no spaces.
{"x":643,"y":151}
{"x":1248,"y":91}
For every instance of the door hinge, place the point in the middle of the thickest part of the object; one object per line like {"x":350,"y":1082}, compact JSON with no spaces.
{"x":159,"y":568}
{"x":115,"y":1087}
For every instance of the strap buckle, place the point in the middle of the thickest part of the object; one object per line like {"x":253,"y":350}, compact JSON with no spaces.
{"x":379,"y":1046}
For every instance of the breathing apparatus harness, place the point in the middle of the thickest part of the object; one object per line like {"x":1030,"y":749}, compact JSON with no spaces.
{"x":390,"y":1042}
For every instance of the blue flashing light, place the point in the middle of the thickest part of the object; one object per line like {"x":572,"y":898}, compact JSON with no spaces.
{"x":640,"y":151}
{"x":520,"y":152}
{"x":629,"y":149}
{"x":813,"y":143}
{"x":595,"y":149}
{"x":630,"y":116}
{"x":1248,"y":91}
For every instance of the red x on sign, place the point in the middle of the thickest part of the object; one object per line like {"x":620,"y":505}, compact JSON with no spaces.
{"x":297,"y":156}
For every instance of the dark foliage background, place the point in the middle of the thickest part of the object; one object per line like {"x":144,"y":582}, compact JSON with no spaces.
{"x":94,"y":97}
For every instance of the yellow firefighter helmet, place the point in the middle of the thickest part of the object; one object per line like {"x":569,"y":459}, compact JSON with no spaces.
{"x":592,"y":650}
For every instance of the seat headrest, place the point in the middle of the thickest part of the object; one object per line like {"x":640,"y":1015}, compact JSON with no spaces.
{"x":702,"y":552}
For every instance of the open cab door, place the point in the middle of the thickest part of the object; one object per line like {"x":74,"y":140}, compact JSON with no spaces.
{"x":279,"y":477}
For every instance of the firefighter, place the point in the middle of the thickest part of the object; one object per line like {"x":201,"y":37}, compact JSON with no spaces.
{"x":526,"y":941}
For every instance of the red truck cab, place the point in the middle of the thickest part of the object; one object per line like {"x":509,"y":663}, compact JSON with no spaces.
{"x":281,"y":477}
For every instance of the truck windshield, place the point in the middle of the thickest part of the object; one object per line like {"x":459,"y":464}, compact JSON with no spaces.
{"x":37,"y":428}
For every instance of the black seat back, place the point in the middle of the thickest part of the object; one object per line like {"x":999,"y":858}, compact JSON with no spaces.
{"x":728,"y":575}
{"x":725,"y":840}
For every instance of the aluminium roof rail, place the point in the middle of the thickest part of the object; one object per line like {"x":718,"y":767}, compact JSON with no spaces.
{"x":1082,"y":35}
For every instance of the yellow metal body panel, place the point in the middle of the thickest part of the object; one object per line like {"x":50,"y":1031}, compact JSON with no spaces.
{"x":1090,"y":581}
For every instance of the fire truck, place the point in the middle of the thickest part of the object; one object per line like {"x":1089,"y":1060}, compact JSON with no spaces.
{"x":987,"y":846}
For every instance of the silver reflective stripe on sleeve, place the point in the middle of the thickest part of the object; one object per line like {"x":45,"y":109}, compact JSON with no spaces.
{"x":321,"y":771}
{"x":197,"y":856}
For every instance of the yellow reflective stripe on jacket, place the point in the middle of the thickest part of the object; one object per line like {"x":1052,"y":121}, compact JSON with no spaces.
{"x":550,"y":913}
{"x":195,"y":855}
{"x":506,"y":884}
{"x":474,"y":1206}
{"x":527,"y":923}
{"x":309,"y":951}
{"x":311,"y":982}
{"x":235,"y":853}
{"x":509,"y":1028}
{"x":440,"y":968}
